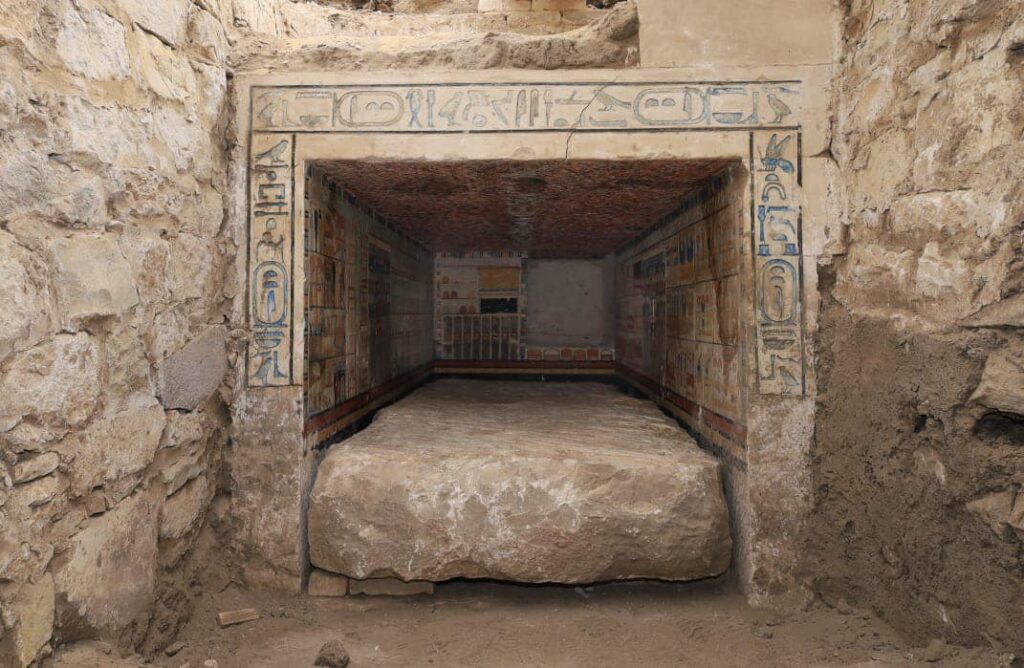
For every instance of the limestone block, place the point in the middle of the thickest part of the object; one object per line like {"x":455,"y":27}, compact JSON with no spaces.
{"x":188,"y":142}
{"x":191,"y":266}
{"x":1008,"y":312}
{"x":183,"y":511}
{"x":1002,"y":382}
{"x":36,"y":493}
{"x":167,"y":72}
{"x":116,"y":445}
{"x":93,"y":278}
{"x":389,"y":587}
{"x":58,"y":381}
{"x":259,"y":16}
{"x":33,"y":606}
{"x":109,"y":578}
{"x":531,"y":484}
{"x":166,"y":19}
{"x":193,"y":373}
{"x":1002,"y":511}
{"x":206,"y":35}
{"x":322,"y":583}
{"x":92,"y":44}
{"x":28,"y":470}
{"x":681,"y":33}
{"x":213,"y":85}
{"x":270,"y":478}
{"x":559,"y":5}
{"x":180,"y":469}
{"x":184,"y":430}
{"x":24,"y":302}
{"x":505,"y":5}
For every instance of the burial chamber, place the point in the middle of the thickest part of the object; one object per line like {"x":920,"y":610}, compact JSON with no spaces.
{"x":512,"y":278}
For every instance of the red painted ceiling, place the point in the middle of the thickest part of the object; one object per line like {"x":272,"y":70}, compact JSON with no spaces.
{"x":551,"y":209}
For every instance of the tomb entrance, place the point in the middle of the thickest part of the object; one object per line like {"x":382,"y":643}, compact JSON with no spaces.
{"x":645,"y":229}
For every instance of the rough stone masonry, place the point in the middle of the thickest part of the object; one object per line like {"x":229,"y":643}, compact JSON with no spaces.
{"x":122,"y":306}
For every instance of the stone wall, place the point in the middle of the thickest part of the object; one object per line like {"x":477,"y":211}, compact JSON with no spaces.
{"x":114,"y":338}
{"x":917,"y":456}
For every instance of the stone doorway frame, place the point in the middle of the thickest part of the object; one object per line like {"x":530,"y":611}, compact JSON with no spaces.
{"x":765,"y":120}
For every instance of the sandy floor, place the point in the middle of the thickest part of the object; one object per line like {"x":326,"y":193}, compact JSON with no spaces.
{"x":487,"y":624}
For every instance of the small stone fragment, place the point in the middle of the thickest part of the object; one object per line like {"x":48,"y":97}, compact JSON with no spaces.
{"x":174,"y":648}
{"x":95,"y":504}
{"x":936,"y":651}
{"x":333,"y":655}
{"x":389,"y":587}
{"x":323,"y":583}
{"x":31,"y":469}
{"x":232,"y":617}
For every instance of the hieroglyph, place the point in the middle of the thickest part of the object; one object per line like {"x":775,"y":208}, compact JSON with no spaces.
{"x":519,"y":107}
{"x":770,"y":111}
{"x":778,"y":275}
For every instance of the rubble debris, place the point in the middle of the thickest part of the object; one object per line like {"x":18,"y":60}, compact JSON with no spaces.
{"x":231,"y":617}
{"x":333,"y":655}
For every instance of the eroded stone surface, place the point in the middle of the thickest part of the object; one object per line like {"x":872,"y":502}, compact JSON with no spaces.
{"x":192,"y":374}
{"x":322,"y":583}
{"x":110,"y":578}
{"x":519,"y":481}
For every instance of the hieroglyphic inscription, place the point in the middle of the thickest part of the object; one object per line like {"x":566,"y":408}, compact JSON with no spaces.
{"x":775,"y":165}
{"x":770,"y":111}
{"x":270,"y":259}
{"x":524,"y":107}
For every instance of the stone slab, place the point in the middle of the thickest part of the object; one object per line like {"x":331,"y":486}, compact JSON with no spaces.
{"x":711,"y":33}
{"x":190,"y":375}
{"x":322,"y":583}
{"x":527,"y":482}
{"x":389,"y":587}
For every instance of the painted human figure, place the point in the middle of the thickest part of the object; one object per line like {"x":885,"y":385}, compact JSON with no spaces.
{"x":268,"y":248}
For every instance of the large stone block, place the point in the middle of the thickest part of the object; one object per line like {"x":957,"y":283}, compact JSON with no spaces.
{"x":682,"y":33}
{"x":58,"y":381}
{"x":183,"y":511}
{"x":1002,"y":383}
{"x":109,"y":578}
{"x":522,"y":482}
{"x":33,"y":606}
{"x":114,"y":445}
{"x":94,"y":279}
{"x":23,"y":301}
{"x":92,"y":44}
{"x":166,"y":19}
{"x":192,"y":374}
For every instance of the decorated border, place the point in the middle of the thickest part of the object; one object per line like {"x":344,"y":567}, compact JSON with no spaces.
{"x":770,"y":111}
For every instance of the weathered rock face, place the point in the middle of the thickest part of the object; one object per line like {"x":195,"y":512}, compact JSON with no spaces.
{"x":918,"y":431}
{"x":112,"y":258}
{"x":519,"y":481}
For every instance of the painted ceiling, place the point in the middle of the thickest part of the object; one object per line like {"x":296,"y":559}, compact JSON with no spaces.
{"x":551,"y":209}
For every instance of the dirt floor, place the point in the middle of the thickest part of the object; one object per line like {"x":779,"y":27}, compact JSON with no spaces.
{"x":490,"y":624}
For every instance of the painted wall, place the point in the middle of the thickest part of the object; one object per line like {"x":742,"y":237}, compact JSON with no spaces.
{"x":480,"y":305}
{"x":487,"y":308}
{"x":571,"y":303}
{"x":678,"y":313}
{"x":368,"y":298}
